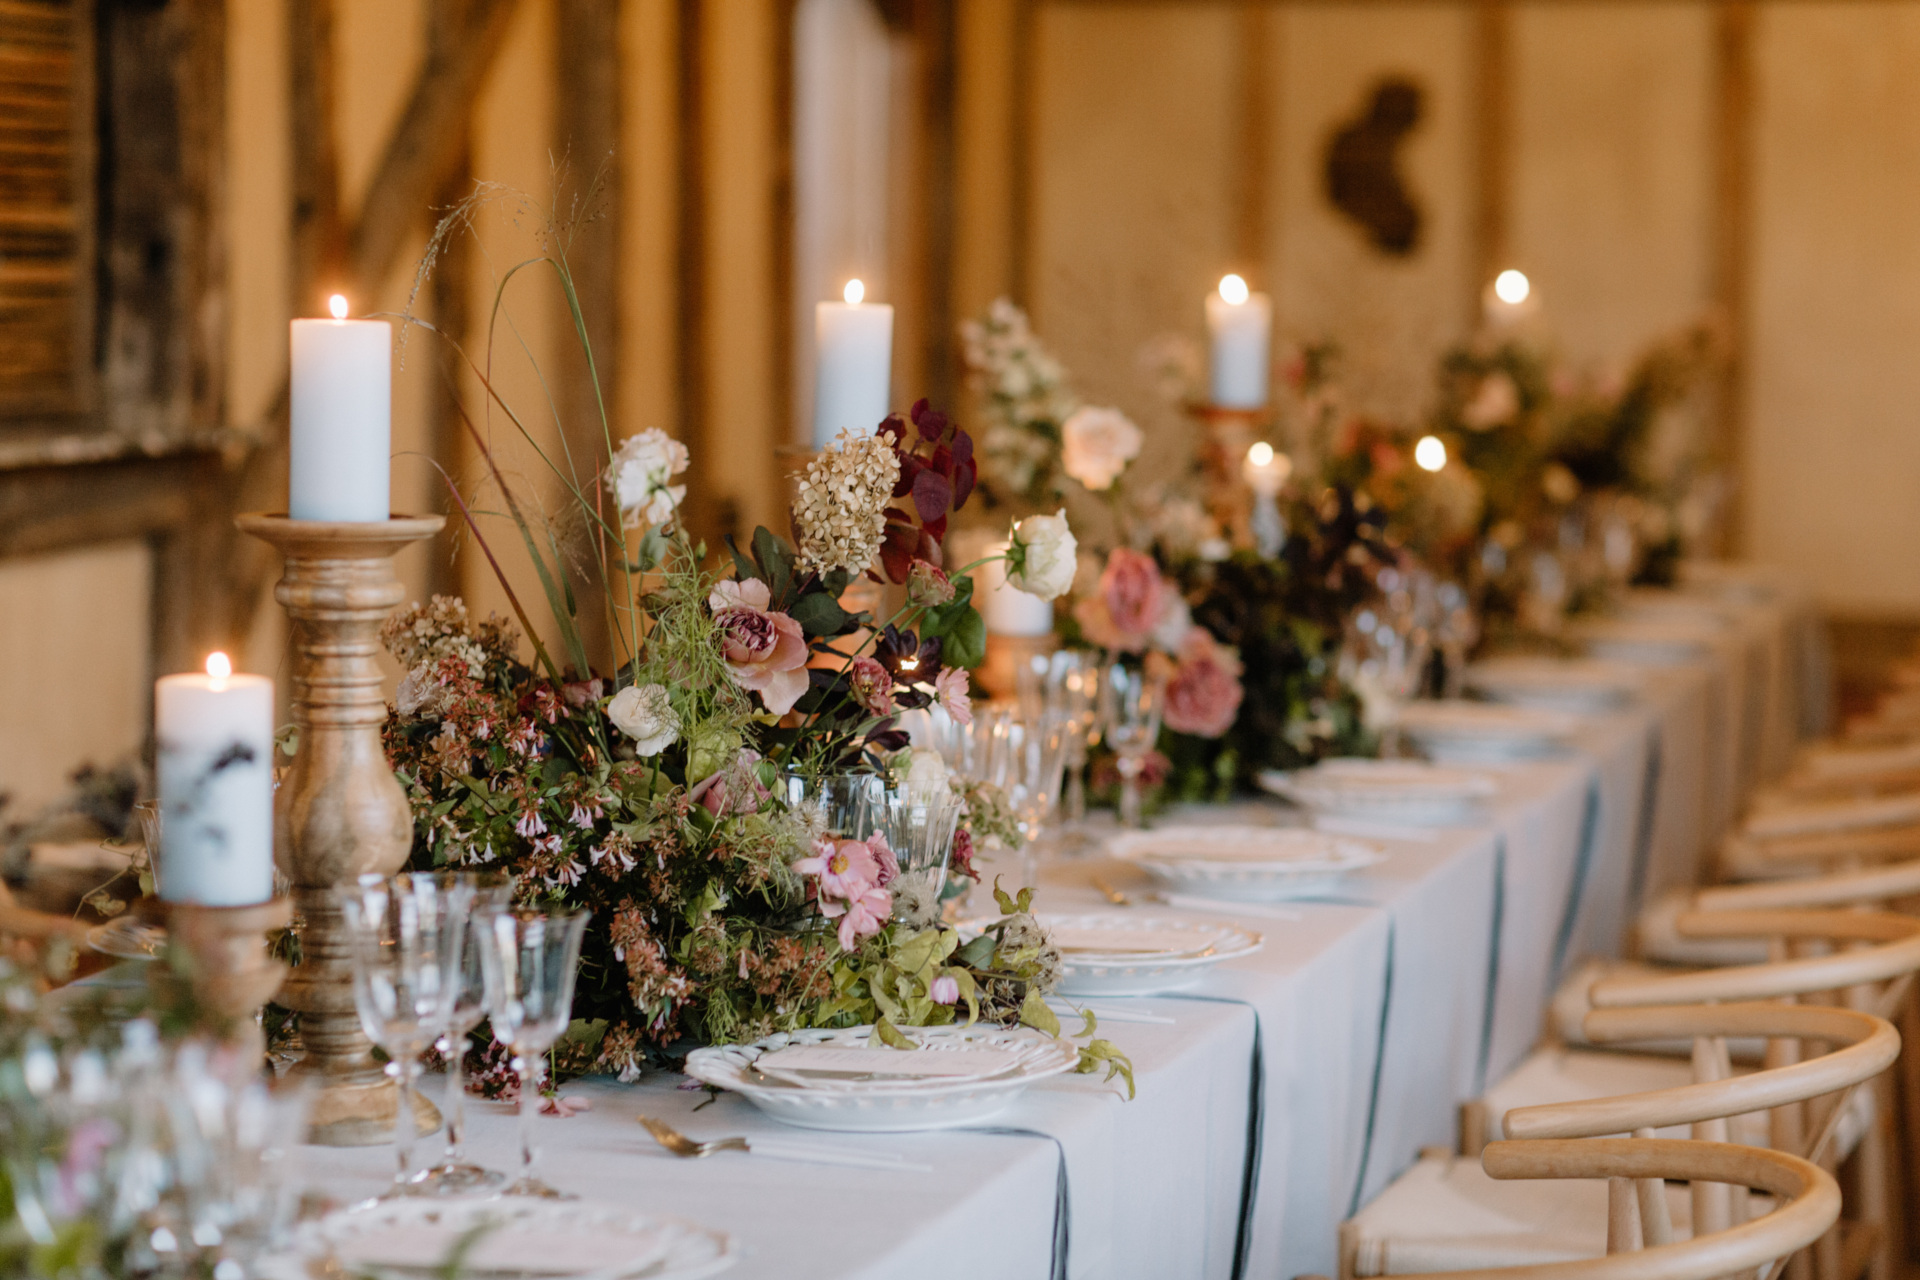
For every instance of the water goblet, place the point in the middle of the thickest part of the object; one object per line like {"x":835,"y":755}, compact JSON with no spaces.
{"x":454,"y":1175}
{"x":407,"y":933}
{"x":1030,"y":758}
{"x":1131,"y":702}
{"x":529,"y":958}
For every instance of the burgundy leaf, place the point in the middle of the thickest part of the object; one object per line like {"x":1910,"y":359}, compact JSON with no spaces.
{"x":894,"y":425}
{"x":896,"y":551}
{"x":963,"y":477}
{"x":910,"y":467}
{"x":930,"y":535}
{"x":942,"y":461}
{"x":962,"y":446}
{"x":931,"y":494}
{"x":924,"y":418}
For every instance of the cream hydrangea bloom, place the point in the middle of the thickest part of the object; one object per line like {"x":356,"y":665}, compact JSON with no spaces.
{"x":840,"y":503}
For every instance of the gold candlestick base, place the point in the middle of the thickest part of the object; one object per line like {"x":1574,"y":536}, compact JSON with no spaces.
{"x":340,"y":813}
{"x":1230,"y":432}
{"x":227,"y":965}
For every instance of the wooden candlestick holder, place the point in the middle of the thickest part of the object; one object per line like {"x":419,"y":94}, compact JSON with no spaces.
{"x":340,"y":813}
{"x":1229,"y":434}
{"x":228,"y":966}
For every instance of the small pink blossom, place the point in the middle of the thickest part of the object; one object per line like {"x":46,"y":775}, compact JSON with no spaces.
{"x":734,"y":789}
{"x":950,"y":687}
{"x":555,"y":1104}
{"x":944,"y":989}
{"x":928,"y":586}
{"x":531,"y":824}
{"x":960,"y":861}
{"x":871,"y":686}
{"x":582,"y":693}
{"x":884,"y":860}
{"x":865,"y":916}
{"x":765,"y":651}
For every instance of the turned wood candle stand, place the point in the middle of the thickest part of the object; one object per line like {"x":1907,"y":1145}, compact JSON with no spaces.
{"x":1229,"y":433}
{"x":340,"y":813}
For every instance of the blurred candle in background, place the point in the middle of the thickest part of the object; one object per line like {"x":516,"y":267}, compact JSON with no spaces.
{"x":1266,"y":471}
{"x":852,"y":365}
{"x":214,"y":773}
{"x":1006,"y":611}
{"x":341,"y":399}
{"x":1240,"y":334}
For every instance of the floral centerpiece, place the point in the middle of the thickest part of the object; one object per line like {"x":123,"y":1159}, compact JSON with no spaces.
{"x":673,"y":791}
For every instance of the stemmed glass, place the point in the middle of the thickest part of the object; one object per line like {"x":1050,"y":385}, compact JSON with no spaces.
{"x":407,"y":935}
{"x":1029,"y":754}
{"x":1066,"y":684}
{"x":1131,"y":700}
{"x":454,"y":1176}
{"x":529,"y":958}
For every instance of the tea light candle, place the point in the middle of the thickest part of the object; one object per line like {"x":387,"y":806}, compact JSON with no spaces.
{"x":1006,"y":610}
{"x":852,"y":365}
{"x":341,"y":400}
{"x":215,"y":777}
{"x":1240,"y":330}
{"x":1266,"y":471}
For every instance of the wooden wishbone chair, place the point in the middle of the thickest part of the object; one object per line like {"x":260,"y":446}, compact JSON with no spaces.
{"x":1876,"y":954}
{"x":1805,"y":1197}
{"x":1437,"y":1206}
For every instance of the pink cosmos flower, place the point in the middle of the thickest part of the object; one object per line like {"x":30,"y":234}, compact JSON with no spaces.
{"x":1204,"y":692}
{"x":766,"y":652}
{"x":865,"y":916}
{"x":872,"y":687}
{"x":846,"y":869}
{"x":950,"y":687}
{"x":944,"y":989}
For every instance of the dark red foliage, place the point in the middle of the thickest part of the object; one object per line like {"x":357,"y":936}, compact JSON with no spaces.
{"x":938,"y":471}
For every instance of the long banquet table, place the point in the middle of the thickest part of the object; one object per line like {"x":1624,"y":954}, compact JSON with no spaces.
{"x":1288,"y":1088}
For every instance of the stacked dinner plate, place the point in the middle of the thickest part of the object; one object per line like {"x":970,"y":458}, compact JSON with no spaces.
{"x":506,"y":1239}
{"x":1483,"y":732}
{"x":1141,"y":955}
{"x":1660,"y":642}
{"x":1408,"y":792}
{"x":847,"y":1080}
{"x":1242,"y":863}
{"x":1584,"y":686}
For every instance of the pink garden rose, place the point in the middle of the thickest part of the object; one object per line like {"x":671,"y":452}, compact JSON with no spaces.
{"x":950,"y":688}
{"x":1131,"y":603}
{"x":886,"y":864}
{"x":733,"y":789}
{"x":871,"y":686}
{"x":766,"y":652}
{"x":1204,"y":691}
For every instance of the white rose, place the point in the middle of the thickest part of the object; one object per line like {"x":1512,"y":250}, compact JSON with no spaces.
{"x":1043,"y":556}
{"x":640,"y":474}
{"x":926,"y":773}
{"x":644,"y":713}
{"x":1097,"y":445}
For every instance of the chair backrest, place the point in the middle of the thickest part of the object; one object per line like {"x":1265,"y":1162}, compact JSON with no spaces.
{"x":1866,"y":1046}
{"x":1846,"y":888}
{"x":1888,"y":948}
{"x":1807,"y":1203}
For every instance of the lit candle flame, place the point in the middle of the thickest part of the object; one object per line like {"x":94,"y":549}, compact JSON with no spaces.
{"x":1233,"y":290}
{"x":1512,"y":287}
{"x":854,"y":292}
{"x":219,"y":666}
{"x":338,"y":305}
{"x":1261,"y":454}
{"x":1430,"y":453}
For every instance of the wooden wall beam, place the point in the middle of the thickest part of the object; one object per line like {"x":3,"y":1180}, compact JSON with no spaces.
{"x":1733,"y":73}
{"x":1493,"y":144}
{"x":936,"y":26}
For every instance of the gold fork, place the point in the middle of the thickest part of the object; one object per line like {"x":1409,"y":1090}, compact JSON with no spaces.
{"x":688,"y":1149}
{"x":681,"y":1145}
{"x":1113,"y":895}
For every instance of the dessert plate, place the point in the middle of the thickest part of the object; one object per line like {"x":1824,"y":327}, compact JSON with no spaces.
{"x":1405,"y":791}
{"x":1243,"y":863}
{"x":1650,"y":642}
{"x":1482,"y":732}
{"x":866,"y":1100}
{"x":1580,"y":685}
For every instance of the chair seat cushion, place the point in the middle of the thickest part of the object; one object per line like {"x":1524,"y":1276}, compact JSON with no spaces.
{"x":1446,"y":1214}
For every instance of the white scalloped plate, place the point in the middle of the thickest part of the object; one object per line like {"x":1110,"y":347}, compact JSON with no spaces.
{"x":1579,"y":685}
{"x":409,"y":1239}
{"x":1485,"y":732}
{"x":891,"y":1107}
{"x":1141,"y":955}
{"x":1402,"y":791}
{"x":1245,"y":864}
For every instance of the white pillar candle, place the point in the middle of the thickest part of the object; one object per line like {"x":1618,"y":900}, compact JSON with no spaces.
{"x":1007,"y":611}
{"x":342,"y":376}
{"x":215,"y":777}
{"x":1240,"y":334}
{"x":852,"y":365}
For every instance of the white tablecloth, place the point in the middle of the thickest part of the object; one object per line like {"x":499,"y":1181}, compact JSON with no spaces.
{"x":1373,"y":1016}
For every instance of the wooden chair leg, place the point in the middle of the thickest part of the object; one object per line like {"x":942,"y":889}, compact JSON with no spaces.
{"x":1656,"y":1219}
{"x":1712,"y":1205}
{"x":1623,"y":1216}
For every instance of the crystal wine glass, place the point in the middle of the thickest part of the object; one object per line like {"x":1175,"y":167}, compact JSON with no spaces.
{"x":1131,"y":701}
{"x":1029,"y":758}
{"x":454,"y":1176}
{"x":407,"y":934}
{"x":529,"y":958}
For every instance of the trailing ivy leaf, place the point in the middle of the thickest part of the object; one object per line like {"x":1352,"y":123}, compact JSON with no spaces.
{"x":977,"y":954}
{"x":1118,"y":1063}
{"x":743,"y":568}
{"x":1008,"y":906}
{"x":1034,"y":1013}
{"x":888,"y":1034}
{"x":774,"y":553}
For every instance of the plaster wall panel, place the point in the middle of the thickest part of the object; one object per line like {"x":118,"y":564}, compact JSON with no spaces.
{"x":1611,"y":182}
{"x":1832,"y":455}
